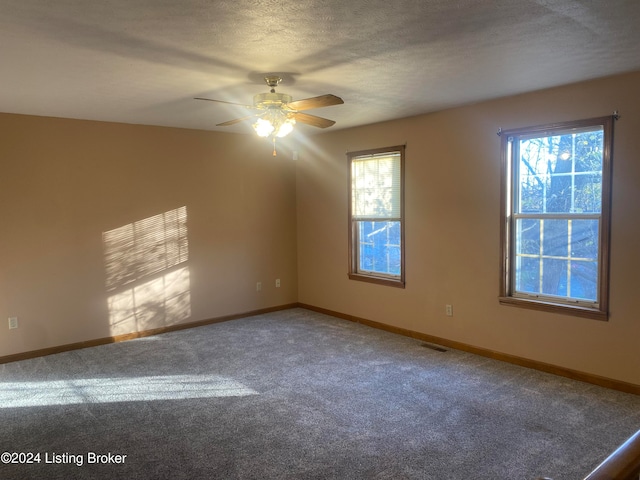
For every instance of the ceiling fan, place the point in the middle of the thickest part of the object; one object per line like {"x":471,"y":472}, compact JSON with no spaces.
{"x":276,"y":113}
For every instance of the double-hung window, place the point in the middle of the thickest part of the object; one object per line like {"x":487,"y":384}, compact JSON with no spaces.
{"x":556,"y":214}
{"x":376,"y":215}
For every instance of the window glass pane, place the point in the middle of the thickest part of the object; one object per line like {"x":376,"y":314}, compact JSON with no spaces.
{"x":528,"y":236}
{"x":584,"y":239}
{"x":528,"y":275}
{"x":375,"y":187}
{"x":567,"y":264}
{"x":589,"y":146}
{"x":561,"y":173}
{"x":584,"y":280}
{"x":555,"y":238}
{"x":559,"y":165}
{"x":588,"y":193}
{"x":554,"y":279}
{"x":379,"y":247}
{"x":533,"y":182}
{"x":588,"y":166}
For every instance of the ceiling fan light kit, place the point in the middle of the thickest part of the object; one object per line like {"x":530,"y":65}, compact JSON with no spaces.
{"x":277,"y":113}
{"x":274,"y":123}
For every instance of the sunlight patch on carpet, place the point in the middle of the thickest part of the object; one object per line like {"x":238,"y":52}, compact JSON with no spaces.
{"x":110,"y":390}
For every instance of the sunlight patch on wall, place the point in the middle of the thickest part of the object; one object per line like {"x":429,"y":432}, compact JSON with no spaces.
{"x":110,"y":390}
{"x":163,"y":301}
{"x":146,"y":272}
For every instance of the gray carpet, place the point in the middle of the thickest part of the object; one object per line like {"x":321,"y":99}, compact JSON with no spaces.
{"x":300,"y":395}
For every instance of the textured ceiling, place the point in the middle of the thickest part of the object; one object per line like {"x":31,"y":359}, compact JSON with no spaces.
{"x":143,"y":61}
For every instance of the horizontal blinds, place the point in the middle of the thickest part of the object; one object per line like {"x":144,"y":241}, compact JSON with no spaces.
{"x":375,"y":186}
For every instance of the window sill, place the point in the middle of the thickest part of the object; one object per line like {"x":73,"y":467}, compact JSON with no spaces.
{"x":561,"y":308}
{"x":399,"y":283}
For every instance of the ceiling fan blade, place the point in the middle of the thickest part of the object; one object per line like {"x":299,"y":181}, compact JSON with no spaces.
{"x":315,"y":102}
{"x":312,"y":120}
{"x":222,"y":101}
{"x":233,"y":122}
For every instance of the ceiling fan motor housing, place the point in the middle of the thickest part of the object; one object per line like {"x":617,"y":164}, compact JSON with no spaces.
{"x":270,"y":100}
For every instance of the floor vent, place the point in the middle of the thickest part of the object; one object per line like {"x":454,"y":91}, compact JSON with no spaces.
{"x":437,"y":348}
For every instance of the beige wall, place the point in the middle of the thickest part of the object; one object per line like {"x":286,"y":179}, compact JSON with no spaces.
{"x":452,"y":230}
{"x":64,"y":183}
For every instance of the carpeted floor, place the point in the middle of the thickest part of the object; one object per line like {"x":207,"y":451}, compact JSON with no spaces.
{"x":299,"y":395}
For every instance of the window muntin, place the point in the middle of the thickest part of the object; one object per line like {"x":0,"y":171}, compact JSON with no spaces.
{"x":376,"y":211}
{"x":556,"y":220}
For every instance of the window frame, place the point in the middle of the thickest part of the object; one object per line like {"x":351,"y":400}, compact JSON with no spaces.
{"x":355,"y":273}
{"x":599,"y":310}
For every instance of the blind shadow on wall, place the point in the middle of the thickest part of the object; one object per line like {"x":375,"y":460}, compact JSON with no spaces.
{"x":147,"y":276}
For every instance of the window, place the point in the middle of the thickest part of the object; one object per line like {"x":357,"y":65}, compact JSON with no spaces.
{"x":555,"y":228}
{"x":376,"y":216}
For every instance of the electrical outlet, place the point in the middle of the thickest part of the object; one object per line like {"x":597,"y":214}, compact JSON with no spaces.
{"x":449,"y":310}
{"x":13,"y":323}
{"x":258,"y":286}
{"x":277,"y":283}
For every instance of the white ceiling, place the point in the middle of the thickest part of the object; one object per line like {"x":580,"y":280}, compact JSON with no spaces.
{"x":143,"y":61}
